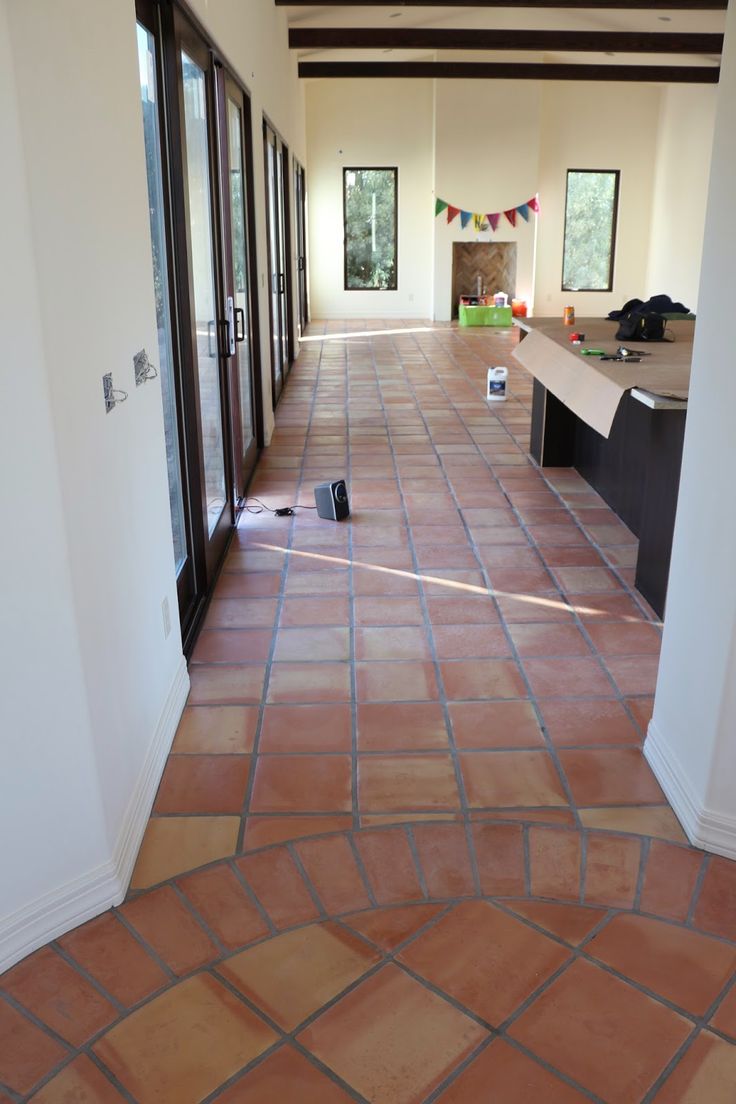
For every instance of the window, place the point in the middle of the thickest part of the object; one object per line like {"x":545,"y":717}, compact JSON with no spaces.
{"x":369,"y":206}
{"x":590,"y":229}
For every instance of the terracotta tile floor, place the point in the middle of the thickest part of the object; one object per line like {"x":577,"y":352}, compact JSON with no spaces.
{"x":406,"y":848}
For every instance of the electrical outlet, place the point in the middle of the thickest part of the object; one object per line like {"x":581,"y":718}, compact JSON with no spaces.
{"x":166,"y":615}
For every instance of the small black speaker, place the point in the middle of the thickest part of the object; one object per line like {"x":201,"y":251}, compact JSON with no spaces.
{"x":332,"y":500}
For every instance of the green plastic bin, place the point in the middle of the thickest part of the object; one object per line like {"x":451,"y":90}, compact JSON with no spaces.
{"x":485,"y":316}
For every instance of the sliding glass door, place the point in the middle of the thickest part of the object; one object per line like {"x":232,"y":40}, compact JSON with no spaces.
{"x":300,"y":212}
{"x":279,"y":269}
{"x":198,"y":152}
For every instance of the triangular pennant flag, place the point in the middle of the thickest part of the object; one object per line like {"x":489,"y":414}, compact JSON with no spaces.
{"x":511,"y":216}
{"x":439,"y":207}
{"x":524,"y":211}
{"x":452,"y":212}
{"x":465,"y":217}
{"x":494,"y":221}
{"x":533,"y":203}
{"x":480,"y":223}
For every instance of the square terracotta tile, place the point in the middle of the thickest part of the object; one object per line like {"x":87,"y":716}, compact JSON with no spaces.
{"x":485,"y":959}
{"x":298,"y":728}
{"x":222,"y":685}
{"x":554,"y":858}
{"x":174,"y":844}
{"x":716,"y":908}
{"x":402,"y":782}
{"x":496,"y":779}
{"x":612,"y":870}
{"x":515,"y":1079}
{"x":470,"y":642}
{"x":587,"y":721}
{"x":587,"y":1019}
{"x":81,"y":1082}
{"x":549,"y":639}
{"x":314,"y":611}
{"x":475,"y":609}
{"x":586,"y":580}
{"x":481,"y":679}
{"x":707,"y":1074}
{"x":302,"y":783}
{"x":625,"y":639}
{"x":406,"y":642}
{"x":59,"y":996}
{"x":241,"y":613}
{"x":292,"y":975}
{"x":392,"y":1039}
{"x":634,"y":674}
{"x":444,"y":857}
{"x":670,"y":879}
{"x":285,"y":1075}
{"x":388,"y":611}
{"x":567,"y":678}
{"x":168,"y":926}
{"x":203,"y":784}
{"x":499,"y":724}
{"x":184,"y":1044}
{"x":610,"y":776}
{"x":106,"y":950}
{"x":232,"y":646}
{"x":216,"y":730}
{"x":401,"y":727}
{"x":319,"y":643}
{"x":396,"y":681}
{"x":27,"y":1054}
{"x":309,"y":682}
{"x":687,"y":968}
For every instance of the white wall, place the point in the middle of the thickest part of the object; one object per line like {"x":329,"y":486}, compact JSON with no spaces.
{"x":487,"y":160}
{"x":90,"y":687}
{"x":491,"y":146}
{"x":362,"y":124}
{"x":48,"y":764}
{"x":596,"y":126}
{"x":692,"y":736}
{"x":682,"y":168}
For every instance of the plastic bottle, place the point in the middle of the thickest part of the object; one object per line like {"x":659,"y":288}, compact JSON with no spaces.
{"x":496,"y":384}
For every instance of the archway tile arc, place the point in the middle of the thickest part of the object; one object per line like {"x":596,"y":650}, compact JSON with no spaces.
{"x":122,"y":961}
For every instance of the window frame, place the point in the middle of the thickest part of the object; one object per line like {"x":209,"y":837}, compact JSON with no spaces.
{"x":616,"y":173}
{"x":370,"y":168}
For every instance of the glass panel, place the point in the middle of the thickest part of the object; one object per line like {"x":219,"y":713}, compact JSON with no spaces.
{"x":152,"y":137}
{"x":370,"y":229}
{"x":281,"y":208}
{"x":590,"y":219}
{"x":240,"y":264}
{"x":200,"y":233}
{"x":273,"y":248}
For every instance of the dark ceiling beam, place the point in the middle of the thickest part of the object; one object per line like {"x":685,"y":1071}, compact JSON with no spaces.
{"x":452,"y":70}
{"x":424,"y":38}
{"x":592,"y":5}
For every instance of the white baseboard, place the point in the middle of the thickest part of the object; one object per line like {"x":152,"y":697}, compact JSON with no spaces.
{"x":92,"y":893}
{"x":704,"y":828}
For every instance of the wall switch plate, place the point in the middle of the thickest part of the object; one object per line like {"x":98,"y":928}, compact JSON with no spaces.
{"x":107,"y":390}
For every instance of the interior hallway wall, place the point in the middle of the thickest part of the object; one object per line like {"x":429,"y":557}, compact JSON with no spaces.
{"x":682,"y":168}
{"x":365,"y":124}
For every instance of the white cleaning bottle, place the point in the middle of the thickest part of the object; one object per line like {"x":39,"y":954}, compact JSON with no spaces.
{"x":496,"y":386}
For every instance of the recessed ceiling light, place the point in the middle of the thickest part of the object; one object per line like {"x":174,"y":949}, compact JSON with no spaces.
{"x":664,"y":18}
{"x":396,"y":15}
{"x":388,"y":51}
{"x":609,"y":54}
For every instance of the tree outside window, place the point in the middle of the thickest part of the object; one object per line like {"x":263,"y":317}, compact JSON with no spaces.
{"x":370,"y":224}
{"x":591,"y":211}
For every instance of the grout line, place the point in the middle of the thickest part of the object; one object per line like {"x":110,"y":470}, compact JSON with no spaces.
{"x":697,"y":888}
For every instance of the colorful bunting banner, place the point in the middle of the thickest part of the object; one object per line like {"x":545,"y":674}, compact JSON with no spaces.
{"x":488,"y":221}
